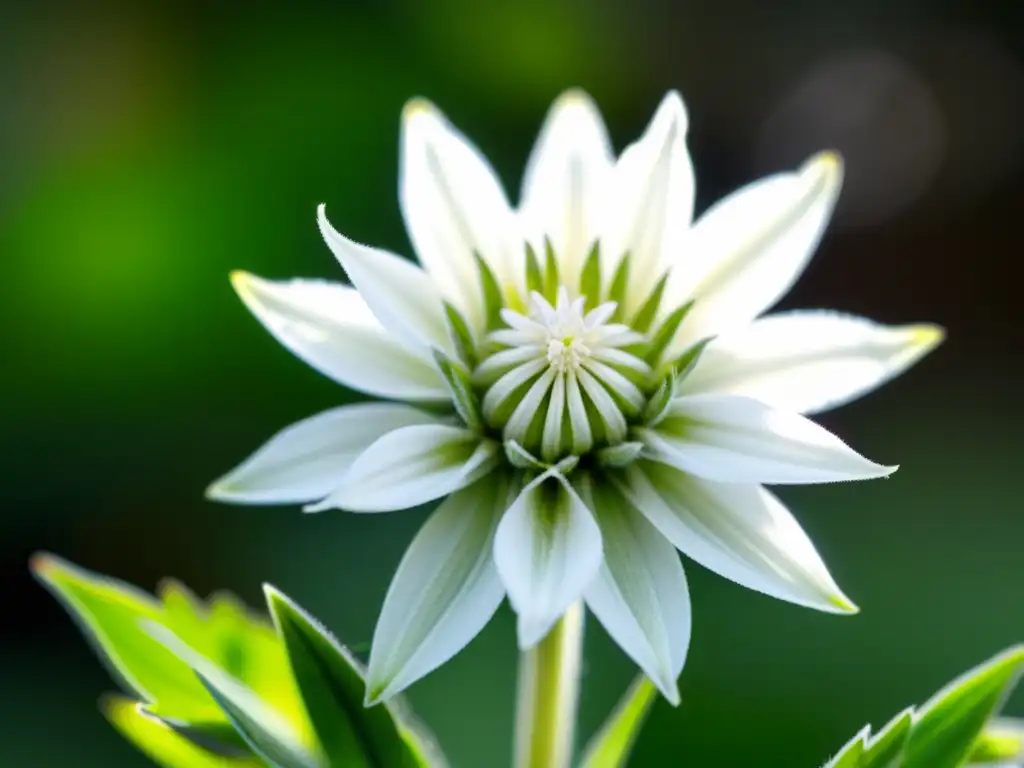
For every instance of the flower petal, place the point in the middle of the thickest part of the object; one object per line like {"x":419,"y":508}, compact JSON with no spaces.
{"x":330,"y":327}
{"x":306,"y":461}
{"x":748,"y":249}
{"x":411,"y":466}
{"x":566,"y":180}
{"x":399,"y":293}
{"x":444,"y":592}
{"x":640,"y":595}
{"x":547,"y":549}
{"x":809,"y":361}
{"x":741,"y":532}
{"x":653,"y":207}
{"x":738,"y":440}
{"x":453,"y":205}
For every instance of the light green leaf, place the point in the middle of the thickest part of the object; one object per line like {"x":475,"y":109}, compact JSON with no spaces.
{"x":649,"y":309}
{"x":461,"y":335}
{"x":257,"y":720}
{"x":852,"y":752}
{"x":665,"y":334}
{"x":493,"y":299}
{"x":219,"y":737}
{"x":551,"y":280}
{"x":617,"y":289}
{"x":534,"y":273}
{"x":590,"y":277}
{"x":948,"y":726}
{"x":263,"y":740}
{"x":952,"y":729}
{"x":1002,"y":741}
{"x":112,"y":613}
{"x":687,"y":361}
{"x":161,"y":743}
{"x":657,"y":407}
{"x":333,"y":687}
{"x":466,"y":402}
{"x":611,"y":746}
{"x":109,"y":613}
{"x":887,"y":745}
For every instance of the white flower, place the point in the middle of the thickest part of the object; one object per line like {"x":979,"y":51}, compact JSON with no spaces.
{"x":587,"y":383}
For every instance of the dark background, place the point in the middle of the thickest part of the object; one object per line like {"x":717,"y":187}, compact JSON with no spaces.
{"x":146,"y":150}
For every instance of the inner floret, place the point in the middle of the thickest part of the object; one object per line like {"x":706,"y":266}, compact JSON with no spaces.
{"x":562,"y":379}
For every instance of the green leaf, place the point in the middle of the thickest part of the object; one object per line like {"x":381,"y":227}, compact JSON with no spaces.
{"x":1002,"y":741}
{"x":263,"y":741}
{"x":649,"y":310}
{"x":334,"y":690}
{"x":256,"y":720}
{"x":109,"y":613}
{"x":948,"y":726}
{"x":952,"y":729}
{"x":534,"y":274}
{"x":463,"y":396}
{"x":163,"y":744}
{"x":112,"y":615}
{"x":887,"y":745}
{"x":657,"y":407}
{"x":460,"y":335}
{"x":617,"y":290}
{"x":611,"y":746}
{"x":852,"y":752}
{"x":493,"y":301}
{"x":687,"y":361}
{"x":665,"y":333}
{"x":551,"y":281}
{"x":219,"y":737}
{"x":590,"y":277}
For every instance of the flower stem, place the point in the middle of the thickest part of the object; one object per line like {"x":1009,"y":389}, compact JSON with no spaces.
{"x":549,"y":677}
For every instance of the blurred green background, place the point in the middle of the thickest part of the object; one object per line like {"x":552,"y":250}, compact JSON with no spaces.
{"x":147,"y":149}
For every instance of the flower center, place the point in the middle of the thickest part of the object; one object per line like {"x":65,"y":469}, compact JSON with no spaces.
{"x":566,"y":354}
{"x":563,"y":378}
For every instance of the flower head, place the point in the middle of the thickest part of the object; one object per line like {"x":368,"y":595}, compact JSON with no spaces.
{"x":586,"y":381}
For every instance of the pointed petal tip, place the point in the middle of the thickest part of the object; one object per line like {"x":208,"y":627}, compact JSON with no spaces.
{"x":530,"y":630}
{"x":273,"y":594}
{"x":872,"y":471}
{"x":671,"y":694}
{"x":828,"y":163}
{"x":924,"y":337}
{"x":319,"y":506}
{"x":327,"y":230}
{"x":375,"y":694}
{"x":673,"y":109}
{"x":667,"y":685}
{"x":418,"y":107}
{"x":841,"y":604}
{"x":222,"y":490}
{"x":240,"y":279}
{"x":214,"y":490}
{"x":574,"y":98}
{"x":674,"y":97}
{"x":42,"y":564}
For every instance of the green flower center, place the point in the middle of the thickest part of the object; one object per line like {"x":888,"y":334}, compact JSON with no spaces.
{"x":563,"y":374}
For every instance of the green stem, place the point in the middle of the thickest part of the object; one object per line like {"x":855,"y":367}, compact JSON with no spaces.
{"x":549,"y":678}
